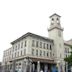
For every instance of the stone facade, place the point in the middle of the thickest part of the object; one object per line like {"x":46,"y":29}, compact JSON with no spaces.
{"x":32,"y":52}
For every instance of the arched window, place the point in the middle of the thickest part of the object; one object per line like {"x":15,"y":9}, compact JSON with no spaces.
{"x":57,"y":18}
{"x":52,"y":19}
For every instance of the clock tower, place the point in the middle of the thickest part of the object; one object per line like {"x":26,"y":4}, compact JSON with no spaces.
{"x":56,"y":33}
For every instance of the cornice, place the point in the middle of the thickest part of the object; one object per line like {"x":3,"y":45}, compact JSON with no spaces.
{"x":56,"y":28}
{"x":31,"y":35}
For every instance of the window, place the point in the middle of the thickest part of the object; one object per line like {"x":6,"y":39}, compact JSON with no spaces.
{"x":52,"y":22}
{"x":40,"y":53}
{"x":21,"y":53}
{"x":36,"y":52}
{"x":19,"y":63}
{"x":44,"y":45}
{"x":32,"y":51}
{"x":24,"y":51}
{"x":33,"y":43}
{"x":52,"y":19}
{"x":66,"y":50}
{"x":22,"y":45}
{"x":50,"y":47}
{"x":53,"y":54}
{"x":36,"y":43}
{"x":18,"y":46}
{"x":58,"y":21}
{"x":25,"y":43}
{"x":47,"y":46}
{"x":47,"y":54}
{"x":57,"y":18}
{"x":40,"y":44}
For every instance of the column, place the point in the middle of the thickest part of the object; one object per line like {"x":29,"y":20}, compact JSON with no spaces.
{"x":3,"y":68}
{"x":13,"y":66}
{"x":27,"y":65}
{"x":24,"y":65}
{"x":62,"y":67}
{"x":38,"y":66}
{"x":30,"y":65}
{"x":58,"y":67}
{"x":33,"y":67}
{"x":45,"y":68}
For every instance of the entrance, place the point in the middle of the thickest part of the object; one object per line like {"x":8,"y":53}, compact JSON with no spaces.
{"x":45,"y":67}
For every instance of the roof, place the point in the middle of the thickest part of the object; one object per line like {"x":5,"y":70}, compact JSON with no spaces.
{"x":55,"y":14}
{"x":32,"y":35}
{"x":68,"y":44}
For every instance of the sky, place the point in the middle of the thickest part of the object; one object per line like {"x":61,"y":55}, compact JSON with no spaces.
{"x":18,"y":17}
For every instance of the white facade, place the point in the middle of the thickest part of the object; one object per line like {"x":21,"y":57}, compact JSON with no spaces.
{"x":31,"y":45}
{"x":18,"y":52}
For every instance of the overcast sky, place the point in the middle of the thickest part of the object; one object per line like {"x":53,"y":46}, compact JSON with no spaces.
{"x":18,"y":17}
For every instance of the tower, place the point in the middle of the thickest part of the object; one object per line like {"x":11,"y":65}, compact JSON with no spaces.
{"x":56,"y":33}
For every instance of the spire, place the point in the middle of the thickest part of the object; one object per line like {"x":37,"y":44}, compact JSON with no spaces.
{"x":55,"y":21}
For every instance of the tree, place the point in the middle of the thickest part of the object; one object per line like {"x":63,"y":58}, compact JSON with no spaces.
{"x":69,"y":58}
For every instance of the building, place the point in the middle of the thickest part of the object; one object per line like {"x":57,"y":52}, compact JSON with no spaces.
{"x":0,"y":66}
{"x":34,"y":53}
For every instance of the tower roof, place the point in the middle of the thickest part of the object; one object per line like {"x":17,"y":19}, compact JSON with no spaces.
{"x":54,"y":15}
